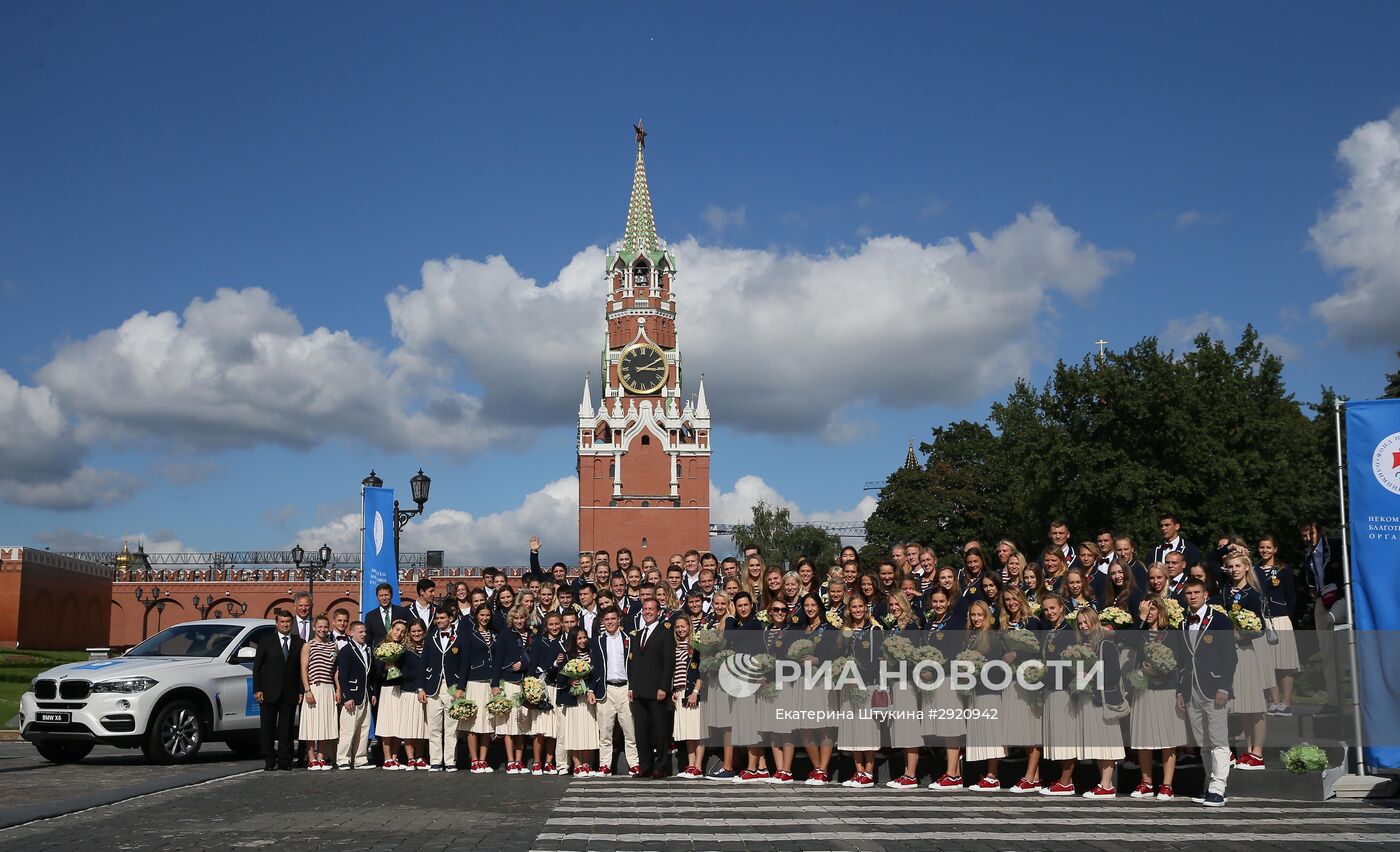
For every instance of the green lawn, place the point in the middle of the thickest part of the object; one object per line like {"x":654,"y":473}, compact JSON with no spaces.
{"x":18,"y":668}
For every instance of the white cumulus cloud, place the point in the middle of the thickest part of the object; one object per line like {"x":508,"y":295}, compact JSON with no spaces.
{"x":503,"y":538}
{"x":1360,"y":237}
{"x":238,"y":370}
{"x":785,"y":339}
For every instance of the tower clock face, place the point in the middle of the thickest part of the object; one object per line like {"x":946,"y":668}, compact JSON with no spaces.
{"x":642,"y":368}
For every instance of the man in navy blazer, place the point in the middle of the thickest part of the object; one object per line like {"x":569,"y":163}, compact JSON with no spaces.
{"x":1204,"y":689}
{"x":1170,"y":527}
{"x":442,"y":683}
{"x":354,"y":668}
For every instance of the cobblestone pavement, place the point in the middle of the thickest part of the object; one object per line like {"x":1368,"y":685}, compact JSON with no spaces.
{"x":32,"y":788}
{"x":374,"y":810}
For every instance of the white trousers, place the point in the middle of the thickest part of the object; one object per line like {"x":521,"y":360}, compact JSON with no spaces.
{"x":442,"y":729}
{"x":1211,"y":728}
{"x":353,"y":746}
{"x":616,"y":708}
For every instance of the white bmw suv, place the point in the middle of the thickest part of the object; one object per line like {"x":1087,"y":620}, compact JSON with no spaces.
{"x":185,"y":686}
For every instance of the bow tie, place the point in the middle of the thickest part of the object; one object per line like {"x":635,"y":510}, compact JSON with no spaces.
{"x":1195,"y":619}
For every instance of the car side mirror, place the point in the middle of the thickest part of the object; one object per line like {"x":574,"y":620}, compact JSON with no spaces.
{"x":246,"y":653}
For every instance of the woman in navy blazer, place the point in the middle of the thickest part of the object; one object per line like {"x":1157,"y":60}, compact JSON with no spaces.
{"x":580,"y":718}
{"x":1252,"y":676}
{"x":482,"y":649}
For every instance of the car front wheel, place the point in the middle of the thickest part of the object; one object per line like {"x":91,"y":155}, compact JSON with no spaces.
{"x":60,"y":751}
{"x":176,"y":734}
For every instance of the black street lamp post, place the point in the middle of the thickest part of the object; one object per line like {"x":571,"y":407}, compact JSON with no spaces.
{"x":204,"y":605}
{"x":154,"y":602}
{"x":418,"y":486}
{"x":312,"y":569}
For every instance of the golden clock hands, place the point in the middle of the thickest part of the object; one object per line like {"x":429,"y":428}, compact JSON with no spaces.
{"x":654,"y":365}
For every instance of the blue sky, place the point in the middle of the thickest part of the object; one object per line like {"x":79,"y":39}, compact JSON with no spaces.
{"x":1162,"y":171}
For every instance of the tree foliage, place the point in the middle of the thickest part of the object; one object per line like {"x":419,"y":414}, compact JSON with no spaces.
{"x":1211,"y":435}
{"x":1392,"y":384}
{"x":781,"y":541}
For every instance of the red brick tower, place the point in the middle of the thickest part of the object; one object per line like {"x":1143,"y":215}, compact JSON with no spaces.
{"x":643,"y":452}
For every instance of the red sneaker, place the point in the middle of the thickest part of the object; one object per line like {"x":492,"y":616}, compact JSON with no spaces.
{"x":947,"y":783}
{"x":1249,"y":761}
{"x":634,"y":771}
{"x":748,"y":776}
{"x":1164,"y":793}
{"x":549,"y":768}
{"x":988,"y":784}
{"x":903,"y":782}
{"x":1101,"y":792}
{"x":1143,"y":791}
{"x":782,"y":776}
{"x":762,"y":774}
{"x":817,"y":778}
{"x":1025,"y":785}
{"x":606,"y":771}
{"x":1057,"y":789}
{"x":863,"y":780}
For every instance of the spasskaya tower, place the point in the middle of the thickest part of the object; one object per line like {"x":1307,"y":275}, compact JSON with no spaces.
{"x":644,"y":450}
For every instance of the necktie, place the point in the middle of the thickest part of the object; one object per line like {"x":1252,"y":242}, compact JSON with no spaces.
{"x":305,"y":631}
{"x":286,"y":647}
{"x":385,"y":612}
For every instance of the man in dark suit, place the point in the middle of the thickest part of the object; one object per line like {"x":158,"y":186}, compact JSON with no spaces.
{"x":377,"y":620}
{"x":1204,"y":689}
{"x":649,"y":674}
{"x":1170,"y":527}
{"x":353,"y":694}
{"x":277,"y":688}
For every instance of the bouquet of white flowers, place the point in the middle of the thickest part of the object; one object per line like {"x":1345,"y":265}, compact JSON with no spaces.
{"x":1115,"y":616}
{"x":1021,"y":641}
{"x":1175,"y":613}
{"x":706,"y":641}
{"x":462,"y":709}
{"x":577,"y":670}
{"x":1245,"y":621}
{"x":532,"y":692}
{"x":389,"y":653}
{"x":897,"y":648}
{"x":801,"y":648}
{"x":978,"y":660}
{"x":500,"y":705}
{"x":1086,"y":658}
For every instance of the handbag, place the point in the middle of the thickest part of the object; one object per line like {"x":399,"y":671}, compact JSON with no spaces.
{"x":1270,"y":631}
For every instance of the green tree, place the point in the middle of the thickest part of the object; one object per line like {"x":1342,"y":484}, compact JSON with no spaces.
{"x":1392,"y":384}
{"x":781,"y":541}
{"x":1211,"y":434}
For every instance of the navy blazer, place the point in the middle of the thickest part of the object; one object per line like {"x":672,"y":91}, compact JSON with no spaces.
{"x":1054,"y":641}
{"x":544,"y":653}
{"x":411,"y":666}
{"x":1246,"y":597}
{"x":353,"y":676}
{"x":1280,"y":594}
{"x":1189,"y":550}
{"x":442,"y":668}
{"x":598,"y":652}
{"x":514,"y":648}
{"x":481,"y":657}
{"x":1209,"y":666}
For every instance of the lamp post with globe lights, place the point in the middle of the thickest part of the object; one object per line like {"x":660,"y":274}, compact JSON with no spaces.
{"x":312,"y":569}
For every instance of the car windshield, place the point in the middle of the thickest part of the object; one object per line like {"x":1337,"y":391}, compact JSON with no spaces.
{"x":188,"y":640}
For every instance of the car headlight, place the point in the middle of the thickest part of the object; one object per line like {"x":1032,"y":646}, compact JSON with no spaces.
{"x":126,"y":684}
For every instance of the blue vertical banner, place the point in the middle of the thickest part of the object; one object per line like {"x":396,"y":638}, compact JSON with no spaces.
{"x":377,"y":561}
{"x":1373,"y":486}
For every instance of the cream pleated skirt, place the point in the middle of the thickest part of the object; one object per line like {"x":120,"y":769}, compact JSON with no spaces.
{"x":410,"y":716}
{"x":545,"y":723}
{"x":688,"y":722}
{"x":1099,"y":739}
{"x":1060,"y":725}
{"x":1154,"y":722}
{"x":510,"y":724}
{"x":321,"y":722}
{"x":985,"y":739}
{"x":1283,"y":656}
{"x":1249,"y":681}
{"x":581,"y":726}
{"x":478,"y":692}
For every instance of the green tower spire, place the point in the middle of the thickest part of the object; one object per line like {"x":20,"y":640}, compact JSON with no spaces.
{"x":640,"y":235}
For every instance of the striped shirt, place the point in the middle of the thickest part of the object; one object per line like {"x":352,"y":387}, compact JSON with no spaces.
{"x":682,"y":673}
{"x":320,"y":662}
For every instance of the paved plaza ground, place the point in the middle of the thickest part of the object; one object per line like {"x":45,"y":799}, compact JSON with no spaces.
{"x":114,"y":801}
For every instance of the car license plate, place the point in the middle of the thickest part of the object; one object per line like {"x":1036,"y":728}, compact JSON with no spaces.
{"x":53,"y":718}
